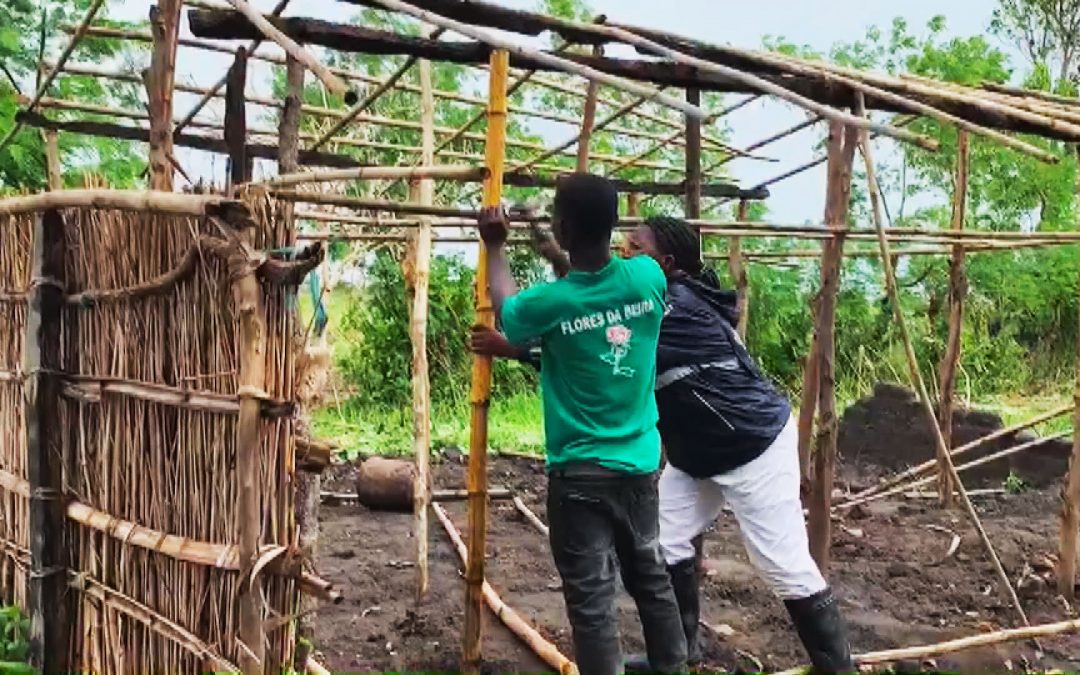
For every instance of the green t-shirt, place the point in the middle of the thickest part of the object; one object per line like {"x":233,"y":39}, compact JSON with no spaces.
{"x":598,"y":334}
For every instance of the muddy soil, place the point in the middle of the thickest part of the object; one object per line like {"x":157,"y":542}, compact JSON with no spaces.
{"x":889,"y":566}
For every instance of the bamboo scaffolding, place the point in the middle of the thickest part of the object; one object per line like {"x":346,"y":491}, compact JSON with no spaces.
{"x":47,"y":81}
{"x":916,"y":375}
{"x":550,"y":60}
{"x":290,"y":47}
{"x":980,"y":442}
{"x":418,"y":334}
{"x":780,"y":135}
{"x":526,"y":633}
{"x":841,"y":150}
{"x":480,"y":394}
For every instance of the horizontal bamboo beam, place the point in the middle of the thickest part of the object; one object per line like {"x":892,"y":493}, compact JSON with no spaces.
{"x":466,"y":174}
{"x":150,"y":201}
{"x":90,"y":389}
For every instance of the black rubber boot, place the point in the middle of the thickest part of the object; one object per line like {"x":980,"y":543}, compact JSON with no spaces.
{"x":822,"y":631}
{"x":684,"y":580}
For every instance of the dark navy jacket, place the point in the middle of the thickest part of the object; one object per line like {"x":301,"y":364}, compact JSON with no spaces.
{"x":717,"y":409}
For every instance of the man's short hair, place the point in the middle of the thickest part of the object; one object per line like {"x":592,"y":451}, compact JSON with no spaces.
{"x":588,"y":206}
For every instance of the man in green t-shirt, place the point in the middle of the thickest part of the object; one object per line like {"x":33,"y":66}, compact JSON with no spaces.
{"x":598,"y":327}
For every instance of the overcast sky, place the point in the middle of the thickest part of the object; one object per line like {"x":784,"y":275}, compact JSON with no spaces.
{"x":818,"y":23}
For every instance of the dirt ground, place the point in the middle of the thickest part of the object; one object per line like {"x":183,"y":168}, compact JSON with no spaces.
{"x":889,"y":566}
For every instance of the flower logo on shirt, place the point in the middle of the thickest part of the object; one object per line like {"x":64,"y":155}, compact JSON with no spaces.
{"x":618,"y":338}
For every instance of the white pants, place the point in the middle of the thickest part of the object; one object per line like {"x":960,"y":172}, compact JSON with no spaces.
{"x":764,"y":497}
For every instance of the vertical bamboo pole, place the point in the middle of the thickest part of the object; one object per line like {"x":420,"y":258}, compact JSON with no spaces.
{"x":495,"y":153}
{"x":693,"y":158}
{"x":164,"y":26}
{"x":418,"y":326}
{"x":737,"y":269}
{"x":248,"y":307}
{"x":913,"y":366}
{"x":1069,"y":542}
{"x":47,"y":579}
{"x":236,"y":120}
{"x":842,"y":142}
{"x":588,"y":118}
{"x":52,"y":160}
{"x":957,"y":291}
{"x":633,"y":201}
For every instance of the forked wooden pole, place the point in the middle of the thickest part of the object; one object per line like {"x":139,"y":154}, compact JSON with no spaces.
{"x":418,"y":331}
{"x":1069,"y":540}
{"x":481,"y":376}
{"x":841,"y":150}
{"x":916,"y":376}
{"x":737,"y":269}
{"x":165,"y":27}
{"x":957,"y":291}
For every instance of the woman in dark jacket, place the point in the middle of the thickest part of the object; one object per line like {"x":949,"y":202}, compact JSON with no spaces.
{"x":729,"y":438}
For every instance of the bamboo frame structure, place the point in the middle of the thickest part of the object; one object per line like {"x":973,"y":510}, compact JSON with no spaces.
{"x":258,"y":420}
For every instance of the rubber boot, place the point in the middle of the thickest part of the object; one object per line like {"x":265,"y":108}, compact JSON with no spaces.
{"x":822,"y":631}
{"x":684,"y":580}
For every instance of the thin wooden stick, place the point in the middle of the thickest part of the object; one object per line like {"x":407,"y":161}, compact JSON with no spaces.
{"x":551,"y":60}
{"x":529,"y":635}
{"x":956,"y":452}
{"x":530,"y":516}
{"x":47,"y":81}
{"x":957,"y":291}
{"x":588,"y":118}
{"x":210,"y":93}
{"x":332,"y":82}
{"x":959,"y":644}
{"x":418,"y":333}
{"x":481,"y":373}
{"x":916,"y":375}
{"x":444,"y":172}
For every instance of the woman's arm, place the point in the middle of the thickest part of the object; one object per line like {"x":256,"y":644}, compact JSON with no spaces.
{"x":545,"y":245}
{"x":490,"y":342}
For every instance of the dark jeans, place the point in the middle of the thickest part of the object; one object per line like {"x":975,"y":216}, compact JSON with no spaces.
{"x":597,"y":516}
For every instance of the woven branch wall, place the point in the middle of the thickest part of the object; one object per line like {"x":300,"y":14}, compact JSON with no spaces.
{"x":157,"y":462}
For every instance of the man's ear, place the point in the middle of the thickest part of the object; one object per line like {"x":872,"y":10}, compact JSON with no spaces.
{"x":667,"y":263}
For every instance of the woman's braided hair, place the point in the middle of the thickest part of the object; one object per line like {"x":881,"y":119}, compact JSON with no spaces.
{"x":677,"y":238}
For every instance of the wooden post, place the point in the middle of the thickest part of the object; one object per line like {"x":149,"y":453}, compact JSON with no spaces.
{"x":957,"y":292}
{"x":248,"y":307}
{"x":1069,"y":542}
{"x":808,"y":407}
{"x":693,"y":158}
{"x":495,"y":151}
{"x":842,"y":142}
{"x":633,"y":200}
{"x":164,"y":26}
{"x":52,"y":160}
{"x":737,"y":269}
{"x":308,"y":484}
{"x":588,"y":117}
{"x":236,"y":120}
{"x":418,"y":325}
{"x":47,"y":579}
